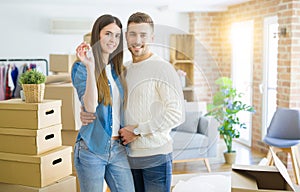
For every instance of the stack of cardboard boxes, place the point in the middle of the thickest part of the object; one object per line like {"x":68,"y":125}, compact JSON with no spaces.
{"x":32,"y":157}
{"x":63,"y":90}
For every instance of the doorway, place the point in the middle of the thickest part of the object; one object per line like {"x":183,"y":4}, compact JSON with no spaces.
{"x":269,"y":84}
{"x":242,"y":71}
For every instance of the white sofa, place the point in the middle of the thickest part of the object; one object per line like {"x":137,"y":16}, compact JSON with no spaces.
{"x":196,"y":138}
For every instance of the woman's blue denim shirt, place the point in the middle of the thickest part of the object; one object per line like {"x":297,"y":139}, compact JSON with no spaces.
{"x":96,"y":135}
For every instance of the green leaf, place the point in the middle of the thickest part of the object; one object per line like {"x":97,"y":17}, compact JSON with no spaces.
{"x":225,"y":109}
{"x":218,"y":98}
{"x":224,"y":82}
{"x":32,"y":77}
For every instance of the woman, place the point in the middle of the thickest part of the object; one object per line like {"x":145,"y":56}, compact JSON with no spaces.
{"x":101,"y":88}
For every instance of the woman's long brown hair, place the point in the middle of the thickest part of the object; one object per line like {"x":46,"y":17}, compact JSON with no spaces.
{"x":116,"y":58}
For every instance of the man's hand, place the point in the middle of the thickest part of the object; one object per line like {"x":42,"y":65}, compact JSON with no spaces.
{"x":127,"y":135}
{"x":86,"y":117}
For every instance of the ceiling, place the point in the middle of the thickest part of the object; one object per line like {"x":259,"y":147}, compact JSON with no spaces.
{"x":161,"y":5}
{"x":200,"y":5}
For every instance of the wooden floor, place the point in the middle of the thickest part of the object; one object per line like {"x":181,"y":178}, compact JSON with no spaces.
{"x":244,"y":156}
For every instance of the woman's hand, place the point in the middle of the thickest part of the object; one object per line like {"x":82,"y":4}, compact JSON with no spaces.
{"x":85,"y":54}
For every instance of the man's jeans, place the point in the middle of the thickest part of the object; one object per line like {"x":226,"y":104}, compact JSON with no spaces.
{"x":153,"y":178}
{"x":92,"y":169}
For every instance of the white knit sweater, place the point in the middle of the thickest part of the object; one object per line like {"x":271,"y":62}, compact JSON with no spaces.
{"x":155,"y":104}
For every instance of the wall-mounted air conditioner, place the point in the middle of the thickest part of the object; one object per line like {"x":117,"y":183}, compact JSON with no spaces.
{"x":70,"y":25}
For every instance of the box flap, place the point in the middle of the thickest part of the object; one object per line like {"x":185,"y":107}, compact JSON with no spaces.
{"x":27,"y":132}
{"x":267,"y":178}
{"x":282,"y":169}
{"x":240,"y":182}
{"x":254,"y":168}
{"x":32,"y":158}
{"x":21,"y":105}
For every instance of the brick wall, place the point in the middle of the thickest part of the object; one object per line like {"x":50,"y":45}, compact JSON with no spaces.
{"x":289,"y":56}
{"x":206,"y":28}
{"x":213,"y":44}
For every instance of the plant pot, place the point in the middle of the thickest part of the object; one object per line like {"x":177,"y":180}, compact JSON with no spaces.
{"x":34,"y":93}
{"x":22,"y":95}
{"x":230,"y":157}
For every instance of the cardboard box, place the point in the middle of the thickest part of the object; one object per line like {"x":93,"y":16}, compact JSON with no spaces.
{"x":61,"y":62}
{"x":73,"y":165}
{"x":87,"y":37}
{"x":36,"y":170}
{"x":261,"y":178}
{"x":58,"y":78}
{"x":15,"y":113}
{"x":67,"y":184}
{"x":71,"y":105}
{"x":69,"y":137}
{"x":31,"y":142}
{"x":77,"y":182}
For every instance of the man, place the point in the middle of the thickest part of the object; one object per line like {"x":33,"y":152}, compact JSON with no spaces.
{"x":154,"y":107}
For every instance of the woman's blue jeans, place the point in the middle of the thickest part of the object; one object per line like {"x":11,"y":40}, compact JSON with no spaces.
{"x":92,"y":169}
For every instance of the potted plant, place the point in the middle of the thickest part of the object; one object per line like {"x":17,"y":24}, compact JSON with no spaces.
{"x":33,"y":85}
{"x":225,"y":109}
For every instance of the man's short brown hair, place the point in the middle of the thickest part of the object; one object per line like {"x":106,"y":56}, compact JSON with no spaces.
{"x":140,"y":17}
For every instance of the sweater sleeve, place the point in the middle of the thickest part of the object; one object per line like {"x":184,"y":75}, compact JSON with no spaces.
{"x":168,"y":111}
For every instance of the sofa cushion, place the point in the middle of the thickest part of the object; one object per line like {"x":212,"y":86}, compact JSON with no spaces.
{"x":184,"y":140}
{"x":203,"y":125}
{"x":190,"y":124}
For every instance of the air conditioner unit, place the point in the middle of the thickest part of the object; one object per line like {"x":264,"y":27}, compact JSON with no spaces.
{"x":71,"y":25}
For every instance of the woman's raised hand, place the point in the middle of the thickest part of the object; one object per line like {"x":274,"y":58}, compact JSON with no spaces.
{"x":85,"y":54}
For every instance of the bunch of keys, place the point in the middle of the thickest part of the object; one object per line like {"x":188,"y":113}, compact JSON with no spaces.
{"x":88,"y":52}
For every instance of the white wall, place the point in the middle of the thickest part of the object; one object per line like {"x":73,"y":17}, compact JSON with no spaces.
{"x":25,"y":27}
